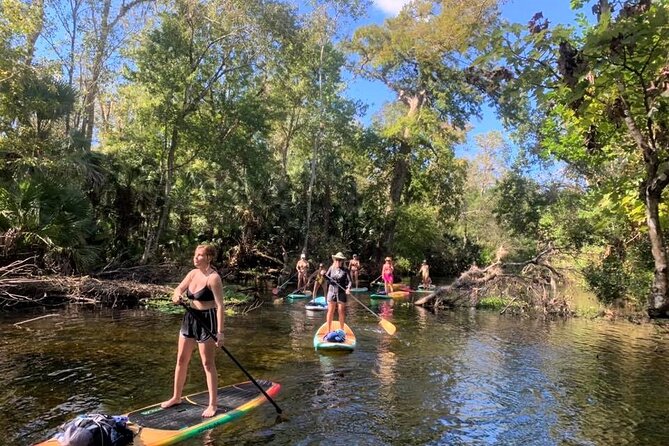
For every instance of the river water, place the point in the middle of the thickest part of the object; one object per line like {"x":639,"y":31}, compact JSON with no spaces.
{"x":453,"y":378}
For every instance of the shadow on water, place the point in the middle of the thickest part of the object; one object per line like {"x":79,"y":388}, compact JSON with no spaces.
{"x":452,"y":378}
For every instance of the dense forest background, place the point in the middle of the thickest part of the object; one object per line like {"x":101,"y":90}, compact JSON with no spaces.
{"x":130,"y":130}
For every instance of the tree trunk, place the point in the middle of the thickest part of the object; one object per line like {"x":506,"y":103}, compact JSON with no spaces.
{"x":154,"y":236}
{"x":327,"y":208}
{"x":310,"y":191}
{"x":34,"y":34}
{"x":290,"y":130}
{"x":314,"y":155}
{"x":659,"y":299}
{"x":106,"y":27}
{"x":657,"y":179}
{"x":397,"y":183}
{"x":400,"y":170}
{"x":92,"y":86}
{"x":70,"y":63}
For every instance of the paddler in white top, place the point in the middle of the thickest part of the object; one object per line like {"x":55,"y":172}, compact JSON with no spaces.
{"x":302,"y":268}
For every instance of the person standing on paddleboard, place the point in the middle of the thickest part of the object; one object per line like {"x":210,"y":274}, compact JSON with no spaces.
{"x":302,"y":268}
{"x":354,"y":266}
{"x":204,"y":288}
{"x":339,"y":280}
{"x":319,"y":281}
{"x":387,"y":275}
{"x":425,"y":274}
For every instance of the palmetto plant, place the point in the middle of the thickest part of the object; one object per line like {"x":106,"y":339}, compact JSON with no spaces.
{"x":44,"y":209}
{"x":48,"y":218}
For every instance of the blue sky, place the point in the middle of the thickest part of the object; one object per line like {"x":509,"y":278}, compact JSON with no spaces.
{"x":375,"y":94}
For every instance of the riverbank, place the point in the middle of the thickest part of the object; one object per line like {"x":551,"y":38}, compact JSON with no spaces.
{"x":25,"y":291}
{"x":129,"y":287}
{"x":141,"y":285}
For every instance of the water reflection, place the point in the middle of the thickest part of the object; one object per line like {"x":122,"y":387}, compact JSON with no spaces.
{"x":457,"y":377}
{"x":385,"y":371}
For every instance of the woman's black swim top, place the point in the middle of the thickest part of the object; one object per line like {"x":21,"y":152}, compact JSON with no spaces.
{"x":203,"y":295}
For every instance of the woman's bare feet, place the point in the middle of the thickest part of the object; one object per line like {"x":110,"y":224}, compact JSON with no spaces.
{"x":210,"y":411}
{"x":171,"y":402}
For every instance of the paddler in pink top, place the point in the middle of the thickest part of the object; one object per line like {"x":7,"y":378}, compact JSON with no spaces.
{"x":387,"y":275}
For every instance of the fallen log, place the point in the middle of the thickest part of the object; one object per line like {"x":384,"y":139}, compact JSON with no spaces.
{"x":16,"y":290}
{"x":533,"y":282}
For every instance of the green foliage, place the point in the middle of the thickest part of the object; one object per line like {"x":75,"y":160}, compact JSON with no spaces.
{"x":623,"y":274}
{"x":164,"y":305}
{"x":44,"y":174}
{"x":418,"y":55}
{"x":217,"y":118}
{"x":593,"y":98}
{"x":570,"y":222}
{"x":606,"y":280}
{"x":520,"y":204}
{"x":417,"y":231}
{"x":492,"y":303}
{"x":233,"y":297}
{"x":49,"y":218}
{"x":453,"y":255}
{"x":402,"y":265}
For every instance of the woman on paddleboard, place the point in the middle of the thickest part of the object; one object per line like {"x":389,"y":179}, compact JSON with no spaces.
{"x":354,"y":266}
{"x":387,"y":274}
{"x":319,"y":282}
{"x":204,"y":288}
{"x":302,"y":269}
{"x":425,"y":275}
{"x":339,"y":280}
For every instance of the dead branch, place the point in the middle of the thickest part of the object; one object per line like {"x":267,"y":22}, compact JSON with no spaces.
{"x":257,"y":303}
{"x":19,"y":267}
{"x":508,"y":305}
{"x":259,"y":253}
{"x":18,"y":324}
{"x":535,"y":282}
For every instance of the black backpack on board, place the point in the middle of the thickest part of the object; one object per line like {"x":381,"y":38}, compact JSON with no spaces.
{"x":95,"y":430}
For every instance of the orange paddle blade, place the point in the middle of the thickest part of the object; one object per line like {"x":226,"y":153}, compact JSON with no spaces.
{"x":388,"y":326}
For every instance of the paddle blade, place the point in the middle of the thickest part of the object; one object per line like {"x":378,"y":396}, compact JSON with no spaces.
{"x":388,"y":326}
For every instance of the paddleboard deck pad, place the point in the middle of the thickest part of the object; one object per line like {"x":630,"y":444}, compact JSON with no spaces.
{"x":347,"y":345}
{"x":298,"y":296}
{"x":380,"y":296}
{"x":156,"y":426}
{"x":399,"y":294}
{"x":318,"y":304}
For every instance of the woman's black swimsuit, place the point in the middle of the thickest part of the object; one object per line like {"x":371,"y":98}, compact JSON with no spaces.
{"x":190,"y":328}
{"x":203,"y":295}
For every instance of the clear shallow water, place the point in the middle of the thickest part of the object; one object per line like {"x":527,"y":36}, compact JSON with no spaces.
{"x":456,"y":378}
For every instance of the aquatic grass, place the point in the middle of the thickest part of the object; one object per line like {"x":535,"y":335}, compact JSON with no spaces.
{"x":588,"y":312}
{"x":496,"y":303}
{"x":231,"y":297}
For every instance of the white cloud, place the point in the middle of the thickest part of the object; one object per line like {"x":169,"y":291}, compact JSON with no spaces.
{"x":390,"y":7}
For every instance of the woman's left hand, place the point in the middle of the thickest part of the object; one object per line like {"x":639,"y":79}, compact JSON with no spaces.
{"x":219,"y":339}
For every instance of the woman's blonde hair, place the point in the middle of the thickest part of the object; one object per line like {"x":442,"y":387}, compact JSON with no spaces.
{"x":209,"y":250}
